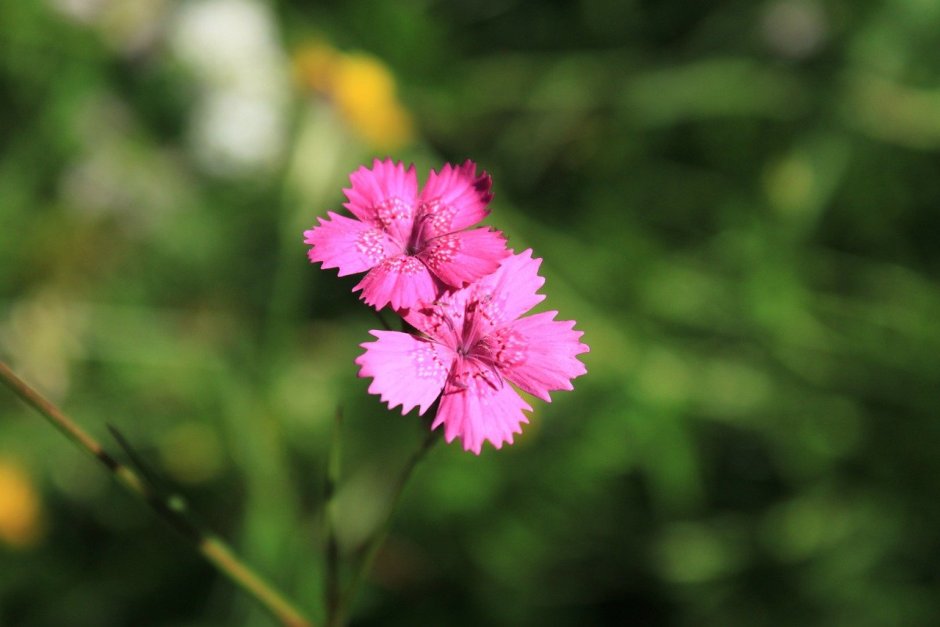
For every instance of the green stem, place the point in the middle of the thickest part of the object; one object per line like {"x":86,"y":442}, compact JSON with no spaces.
{"x":210,"y":546}
{"x":377,"y":539}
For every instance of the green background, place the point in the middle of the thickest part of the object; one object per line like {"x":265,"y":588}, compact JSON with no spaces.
{"x":737,"y":202}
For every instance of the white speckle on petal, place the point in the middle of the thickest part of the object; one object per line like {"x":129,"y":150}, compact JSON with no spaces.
{"x":509,"y":348}
{"x":442,"y":250}
{"x":427,"y":363}
{"x":437,"y":214}
{"x":392,"y":210}
{"x":370,"y":245}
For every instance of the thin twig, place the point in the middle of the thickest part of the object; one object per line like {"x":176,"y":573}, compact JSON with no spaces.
{"x":171,"y":509}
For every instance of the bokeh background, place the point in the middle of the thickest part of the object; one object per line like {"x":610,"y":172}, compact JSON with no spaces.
{"x":737,"y":201}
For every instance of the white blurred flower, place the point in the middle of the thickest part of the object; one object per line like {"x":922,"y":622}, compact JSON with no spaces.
{"x":227,"y":43}
{"x":117,"y":174}
{"x":232,"y":48}
{"x":234,"y":131}
{"x":82,"y":11}
{"x":794,"y":28}
{"x":128,"y":26}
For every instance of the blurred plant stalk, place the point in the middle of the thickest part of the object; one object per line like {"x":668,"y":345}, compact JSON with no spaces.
{"x":171,"y":509}
{"x":338,"y":607}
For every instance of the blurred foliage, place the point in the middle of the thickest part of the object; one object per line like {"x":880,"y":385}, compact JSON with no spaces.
{"x":736,"y":201}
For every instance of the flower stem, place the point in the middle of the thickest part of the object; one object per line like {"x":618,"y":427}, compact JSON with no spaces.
{"x":377,"y":539}
{"x":170,"y":509}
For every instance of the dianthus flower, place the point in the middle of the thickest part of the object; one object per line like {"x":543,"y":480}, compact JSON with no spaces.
{"x":471,"y":343}
{"x":413,"y":246}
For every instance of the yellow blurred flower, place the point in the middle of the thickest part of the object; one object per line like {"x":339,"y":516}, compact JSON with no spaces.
{"x":363,"y":90}
{"x":20,"y":508}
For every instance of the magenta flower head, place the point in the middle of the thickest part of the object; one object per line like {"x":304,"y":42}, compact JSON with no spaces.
{"x":471,"y":344}
{"x":413,"y":246}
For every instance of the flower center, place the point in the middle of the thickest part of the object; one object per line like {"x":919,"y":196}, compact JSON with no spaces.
{"x":419,"y":233}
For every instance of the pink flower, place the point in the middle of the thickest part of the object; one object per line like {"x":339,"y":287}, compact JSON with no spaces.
{"x":472,"y":342}
{"x":413,"y":246}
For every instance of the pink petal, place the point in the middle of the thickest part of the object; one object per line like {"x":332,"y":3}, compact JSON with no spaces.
{"x":405,"y":370}
{"x":477,"y":405}
{"x":454,"y":199}
{"x":384,"y":196}
{"x":402,"y":281}
{"x":495,"y":300}
{"x":347,"y":244}
{"x":509,"y":292}
{"x":461,"y":258}
{"x":538,"y":353}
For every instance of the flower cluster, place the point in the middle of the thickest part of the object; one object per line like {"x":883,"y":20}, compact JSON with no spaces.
{"x":461,"y":290}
